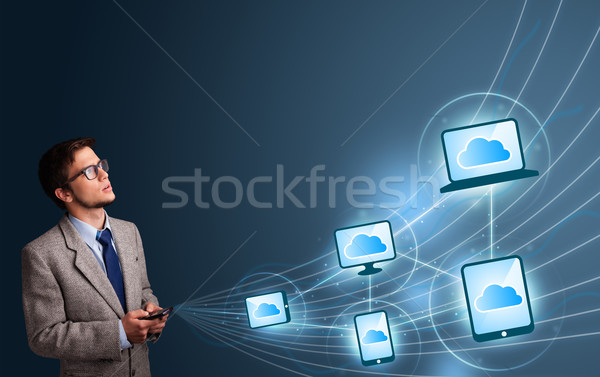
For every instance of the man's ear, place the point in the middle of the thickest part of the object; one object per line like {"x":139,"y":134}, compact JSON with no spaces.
{"x":64,"y":194}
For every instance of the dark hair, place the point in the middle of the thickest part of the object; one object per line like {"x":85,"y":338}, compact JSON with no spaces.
{"x":54,"y":165}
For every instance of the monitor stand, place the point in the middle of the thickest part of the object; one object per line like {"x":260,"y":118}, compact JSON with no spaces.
{"x":369,"y":269}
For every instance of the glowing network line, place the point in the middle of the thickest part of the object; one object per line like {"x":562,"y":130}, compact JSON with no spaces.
{"x":203,"y":299}
{"x":322,"y":281}
{"x":228,"y":331}
{"x":502,"y":62}
{"x":570,"y":82}
{"x":536,"y":59}
{"x":283,"y":273}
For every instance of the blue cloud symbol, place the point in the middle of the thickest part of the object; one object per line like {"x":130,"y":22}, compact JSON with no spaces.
{"x":374,"y":336}
{"x":480,"y":151}
{"x":266,"y":310}
{"x":495,"y":296}
{"x":363,"y":245}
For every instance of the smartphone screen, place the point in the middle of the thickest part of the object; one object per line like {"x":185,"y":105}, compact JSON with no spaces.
{"x":497,"y":298}
{"x":374,"y":338}
{"x":158,"y":313}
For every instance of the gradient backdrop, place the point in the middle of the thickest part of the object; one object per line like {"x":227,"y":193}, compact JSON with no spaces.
{"x":364,"y":88}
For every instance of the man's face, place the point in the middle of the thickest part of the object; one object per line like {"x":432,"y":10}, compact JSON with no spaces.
{"x":95,"y":193}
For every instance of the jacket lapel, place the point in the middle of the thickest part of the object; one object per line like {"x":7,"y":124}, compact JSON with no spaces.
{"x":88,"y":265}
{"x":124,"y":241}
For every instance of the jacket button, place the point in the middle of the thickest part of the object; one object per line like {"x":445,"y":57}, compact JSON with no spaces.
{"x":133,"y":372}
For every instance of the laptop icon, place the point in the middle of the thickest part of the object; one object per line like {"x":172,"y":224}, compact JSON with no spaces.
{"x":484,"y":154}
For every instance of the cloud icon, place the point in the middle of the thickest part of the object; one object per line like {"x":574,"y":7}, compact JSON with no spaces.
{"x":363,"y":245}
{"x":266,"y":310}
{"x":480,"y":152}
{"x":374,"y":336}
{"x":496,"y":297}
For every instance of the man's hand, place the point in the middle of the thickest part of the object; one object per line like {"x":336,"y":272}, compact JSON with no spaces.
{"x":158,"y":328}
{"x":137,"y":329}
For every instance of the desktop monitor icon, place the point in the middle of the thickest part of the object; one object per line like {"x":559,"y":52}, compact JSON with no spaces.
{"x":364,"y":245}
{"x":484,"y":154}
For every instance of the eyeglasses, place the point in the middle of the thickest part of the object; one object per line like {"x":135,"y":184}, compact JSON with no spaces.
{"x":90,"y":172}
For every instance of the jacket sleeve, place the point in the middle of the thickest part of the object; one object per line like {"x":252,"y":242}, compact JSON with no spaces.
{"x":49,"y":332}
{"x":147,"y":294}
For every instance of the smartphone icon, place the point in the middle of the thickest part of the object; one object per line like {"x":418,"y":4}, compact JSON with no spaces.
{"x":497,"y":298}
{"x":374,"y":338}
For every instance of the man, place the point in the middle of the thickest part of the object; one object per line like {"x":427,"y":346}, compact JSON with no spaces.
{"x":85,"y":285}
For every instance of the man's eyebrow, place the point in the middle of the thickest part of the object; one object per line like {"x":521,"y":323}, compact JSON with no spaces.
{"x":92,"y":164}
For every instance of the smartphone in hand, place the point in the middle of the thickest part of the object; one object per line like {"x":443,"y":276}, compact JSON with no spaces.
{"x":158,"y":313}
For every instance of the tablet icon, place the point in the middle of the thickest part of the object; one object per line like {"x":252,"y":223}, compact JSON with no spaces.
{"x":267,"y":309}
{"x":497,"y":298}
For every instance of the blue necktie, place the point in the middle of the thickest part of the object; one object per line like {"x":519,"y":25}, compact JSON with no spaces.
{"x":113,"y":270}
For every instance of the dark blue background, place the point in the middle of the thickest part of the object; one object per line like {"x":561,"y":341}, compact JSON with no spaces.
{"x":300,"y":78}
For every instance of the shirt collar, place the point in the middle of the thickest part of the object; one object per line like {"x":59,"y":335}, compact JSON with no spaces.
{"x":88,"y":232}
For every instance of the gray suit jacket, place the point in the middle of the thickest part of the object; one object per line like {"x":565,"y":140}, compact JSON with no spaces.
{"x":72,"y":311}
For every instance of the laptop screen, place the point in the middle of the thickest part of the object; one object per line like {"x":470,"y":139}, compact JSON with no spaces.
{"x":480,"y":150}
